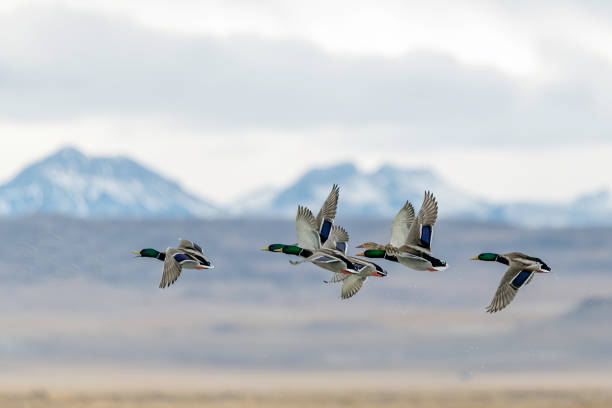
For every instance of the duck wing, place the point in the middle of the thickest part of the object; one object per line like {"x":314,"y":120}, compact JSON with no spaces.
{"x":338,"y":239}
{"x":327,"y":213}
{"x":172,"y":266}
{"x":421,"y":230}
{"x":401,"y":225}
{"x":307,"y":230}
{"x":351,"y":285}
{"x":513,"y":279}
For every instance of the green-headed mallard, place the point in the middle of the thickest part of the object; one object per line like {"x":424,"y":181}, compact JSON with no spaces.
{"x":188,"y":255}
{"x":309,"y":245}
{"x":521,"y":270}
{"x":324,"y":221}
{"x":338,"y":238}
{"x":324,"y":255}
{"x":410,"y":246}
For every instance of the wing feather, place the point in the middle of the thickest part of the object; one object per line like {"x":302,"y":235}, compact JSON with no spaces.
{"x":351,"y":285}
{"x":505,"y":292}
{"x":328,"y":210}
{"x":172,"y":269}
{"x":428,"y":214}
{"x":401,"y":225}
{"x":307,"y":229}
{"x":336,"y":236}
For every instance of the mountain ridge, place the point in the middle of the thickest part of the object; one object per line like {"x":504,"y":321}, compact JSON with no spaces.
{"x":70,"y":183}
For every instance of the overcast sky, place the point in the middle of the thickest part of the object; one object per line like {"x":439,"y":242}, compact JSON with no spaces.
{"x":507,"y":99}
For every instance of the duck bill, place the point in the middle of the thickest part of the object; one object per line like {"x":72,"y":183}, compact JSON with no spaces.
{"x":474,"y":258}
{"x":136,"y":252}
{"x":361,"y":253}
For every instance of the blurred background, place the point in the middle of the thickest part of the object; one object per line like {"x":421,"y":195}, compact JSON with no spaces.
{"x":127,"y":125}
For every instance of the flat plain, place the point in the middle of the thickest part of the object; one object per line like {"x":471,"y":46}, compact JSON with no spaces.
{"x":586,"y":398}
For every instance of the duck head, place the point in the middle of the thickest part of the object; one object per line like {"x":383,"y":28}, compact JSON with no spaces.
{"x":287,"y":249}
{"x":486,"y":256}
{"x":373,"y":253}
{"x":150,"y":253}
{"x":274,"y":248}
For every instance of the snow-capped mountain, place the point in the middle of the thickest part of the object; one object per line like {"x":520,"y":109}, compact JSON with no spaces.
{"x":70,"y":183}
{"x":377,"y":194}
{"x":382,"y":192}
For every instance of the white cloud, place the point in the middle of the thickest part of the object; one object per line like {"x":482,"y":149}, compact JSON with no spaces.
{"x":228,"y":96}
{"x":503,"y":35}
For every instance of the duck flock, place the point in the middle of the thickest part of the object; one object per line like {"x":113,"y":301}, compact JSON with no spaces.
{"x":321,"y":242}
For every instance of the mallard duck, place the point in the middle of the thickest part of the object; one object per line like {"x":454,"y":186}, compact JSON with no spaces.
{"x":187,"y":255}
{"x":522,"y":268}
{"x":352,"y":281}
{"x":324,"y":221}
{"x":324,"y":255}
{"x":338,"y":238}
{"x":410,"y":246}
{"x":333,"y":257}
{"x":309,"y":245}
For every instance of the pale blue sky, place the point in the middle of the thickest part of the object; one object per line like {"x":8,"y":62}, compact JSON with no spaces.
{"x":506,"y":99}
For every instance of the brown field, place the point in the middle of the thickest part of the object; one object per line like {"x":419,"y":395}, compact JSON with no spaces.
{"x":420,"y":399}
{"x":108,"y":387}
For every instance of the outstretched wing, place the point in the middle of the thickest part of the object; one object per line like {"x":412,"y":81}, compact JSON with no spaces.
{"x":351,"y":285}
{"x":401,"y":225}
{"x":327,"y":213}
{"x":306,"y":228}
{"x":173,"y":266}
{"x":513,"y":279}
{"x":421,"y":229}
{"x":338,"y":239}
